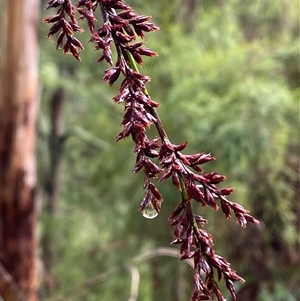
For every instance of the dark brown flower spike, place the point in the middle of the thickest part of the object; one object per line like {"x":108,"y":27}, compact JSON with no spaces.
{"x":157,"y":158}
{"x":66,"y":24}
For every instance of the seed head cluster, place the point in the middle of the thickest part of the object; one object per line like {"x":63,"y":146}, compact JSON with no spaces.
{"x":158,"y":158}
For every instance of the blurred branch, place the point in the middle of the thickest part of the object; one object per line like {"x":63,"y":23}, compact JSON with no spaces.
{"x":160,"y":252}
{"x":80,"y":288}
{"x":9,"y":290}
{"x":87,"y":137}
{"x":135,"y":281}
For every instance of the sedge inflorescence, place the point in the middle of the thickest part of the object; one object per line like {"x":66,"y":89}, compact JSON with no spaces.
{"x":158,"y":158}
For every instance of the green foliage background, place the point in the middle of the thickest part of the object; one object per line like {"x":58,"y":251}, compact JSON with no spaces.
{"x":227,"y":78}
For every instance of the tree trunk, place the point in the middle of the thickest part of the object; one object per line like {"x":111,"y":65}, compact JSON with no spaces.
{"x":18,"y":107}
{"x":52,"y":185}
{"x":188,"y":14}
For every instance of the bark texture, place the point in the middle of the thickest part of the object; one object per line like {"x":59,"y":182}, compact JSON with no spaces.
{"x":18,"y":107}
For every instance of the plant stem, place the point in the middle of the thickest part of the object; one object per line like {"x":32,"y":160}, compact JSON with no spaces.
{"x":158,"y":124}
{"x":183,"y":189}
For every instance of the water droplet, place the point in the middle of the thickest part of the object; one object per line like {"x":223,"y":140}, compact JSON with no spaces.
{"x":149,"y":211}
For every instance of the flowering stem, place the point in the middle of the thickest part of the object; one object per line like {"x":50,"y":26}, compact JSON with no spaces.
{"x":156,"y":157}
{"x":187,"y":202}
{"x":134,"y":66}
{"x":183,"y":188}
{"x":158,"y":124}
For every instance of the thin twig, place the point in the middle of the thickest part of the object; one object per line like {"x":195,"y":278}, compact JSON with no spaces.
{"x":170,"y":252}
{"x":135,"y":281}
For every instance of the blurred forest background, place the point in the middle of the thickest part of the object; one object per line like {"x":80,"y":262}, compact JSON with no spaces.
{"x":228,"y":79}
